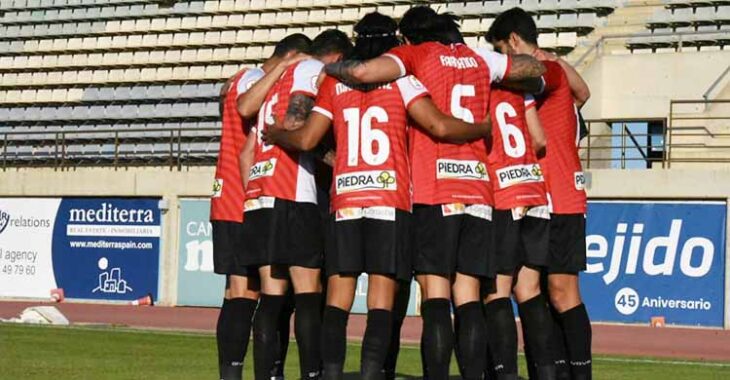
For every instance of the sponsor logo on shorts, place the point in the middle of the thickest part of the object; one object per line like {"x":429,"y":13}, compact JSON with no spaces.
{"x":258,"y":203}
{"x":461,"y":169}
{"x":476,"y":210}
{"x":580,"y":180}
{"x":217,"y":187}
{"x":368,"y":180}
{"x":517,"y":174}
{"x":541,"y":212}
{"x":262,"y":169}
{"x":375,"y":212}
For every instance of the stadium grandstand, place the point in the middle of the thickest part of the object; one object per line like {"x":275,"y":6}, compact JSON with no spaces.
{"x":95,"y":82}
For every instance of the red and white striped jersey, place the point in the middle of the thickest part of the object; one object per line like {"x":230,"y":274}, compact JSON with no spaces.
{"x":516,"y":176}
{"x":458,"y":79}
{"x":371,"y":166}
{"x":561,"y":164}
{"x":228,"y":194}
{"x":277,"y":172}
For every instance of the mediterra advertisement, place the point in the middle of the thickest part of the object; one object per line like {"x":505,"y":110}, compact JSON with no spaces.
{"x":92,"y":248}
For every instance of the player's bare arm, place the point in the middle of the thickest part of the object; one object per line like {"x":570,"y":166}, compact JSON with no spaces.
{"x":250,"y":102}
{"x":446,"y":127}
{"x":246,"y":156}
{"x":304,"y":138}
{"x":376,"y":70}
{"x":537,"y":134}
{"x":300,"y":106}
{"x":578,"y":86}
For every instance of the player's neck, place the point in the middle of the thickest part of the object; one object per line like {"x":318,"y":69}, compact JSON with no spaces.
{"x":270,"y":64}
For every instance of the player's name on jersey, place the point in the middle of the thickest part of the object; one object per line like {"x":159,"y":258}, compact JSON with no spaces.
{"x":367,"y":180}
{"x":262,"y":169}
{"x":458,"y":62}
{"x":517,"y":174}
{"x":461,"y":169}
{"x":341,"y":88}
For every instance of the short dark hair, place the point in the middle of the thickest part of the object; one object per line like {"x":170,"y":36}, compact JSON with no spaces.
{"x":330,"y":41}
{"x":514,"y":20}
{"x":293,"y":42}
{"x":375,"y":34}
{"x":420,"y":24}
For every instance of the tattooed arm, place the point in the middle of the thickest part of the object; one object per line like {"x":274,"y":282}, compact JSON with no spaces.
{"x":376,"y":70}
{"x":300,"y":106}
{"x":524,"y":74}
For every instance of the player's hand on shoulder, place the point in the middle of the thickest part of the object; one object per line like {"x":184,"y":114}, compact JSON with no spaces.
{"x":272,"y":134}
{"x":296,"y":58}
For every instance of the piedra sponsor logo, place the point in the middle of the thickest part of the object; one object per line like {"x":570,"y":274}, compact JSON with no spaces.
{"x":461,"y":169}
{"x":513,"y":175}
{"x":368,"y":180}
{"x":262,"y":169}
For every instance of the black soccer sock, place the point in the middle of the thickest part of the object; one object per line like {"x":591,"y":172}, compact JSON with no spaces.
{"x":578,"y":335}
{"x":283,"y":334}
{"x":471,"y":335}
{"x":308,"y":330}
{"x":537,"y":324}
{"x":375,"y":344}
{"x":400,"y":308}
{"x":438,"y":337}
{"x":334,"y":342}
{"x":557,"y":346}
{"x":530,"y":361}
{"x":265,"y":336}
{"x":232,"y":333}
{"x":502,"y":337}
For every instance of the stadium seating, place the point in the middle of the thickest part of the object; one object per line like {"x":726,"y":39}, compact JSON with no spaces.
{"x":70,"y":67}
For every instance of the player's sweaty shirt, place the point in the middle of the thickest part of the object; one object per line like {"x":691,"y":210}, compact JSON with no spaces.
{"x":370,"y":127}
{"x":516,"y":175}
{"x":228,"y":197}
{"x":561,"y":165}
{"x":458,"y":79}
{"x":277,"y":172}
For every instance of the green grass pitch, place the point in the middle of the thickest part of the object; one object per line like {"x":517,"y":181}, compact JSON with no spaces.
{"x":40,"y":352}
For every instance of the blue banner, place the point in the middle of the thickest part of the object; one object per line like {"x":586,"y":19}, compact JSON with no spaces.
{"x":656,"y":259}
{"x":107,"y":248}
{"x":197,"y":285}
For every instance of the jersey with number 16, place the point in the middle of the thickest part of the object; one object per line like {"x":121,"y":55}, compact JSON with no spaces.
{"x":370,"y":128}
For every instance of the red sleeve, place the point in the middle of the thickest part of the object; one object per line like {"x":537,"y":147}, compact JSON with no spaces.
{"x":323,"y":103}
{"x":405,"y":56}
{"x":553,"y":77}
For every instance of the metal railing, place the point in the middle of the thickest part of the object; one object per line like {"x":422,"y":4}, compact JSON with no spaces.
{"x":699,"y":135}
{"x":173,"y":147}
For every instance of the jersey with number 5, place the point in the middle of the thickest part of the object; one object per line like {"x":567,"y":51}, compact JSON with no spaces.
{"x":458,"y":79}
{"x":516,"y":175}
{"x":276,"y":172}
{"x":370,"y":127}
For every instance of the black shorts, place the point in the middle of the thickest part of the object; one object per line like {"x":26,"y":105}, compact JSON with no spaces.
{"x":371,"y":246}
{"x":444,"y":245}
{"x":567,"y":243}
{"x":227,"y":245}
{"x":290,"y":234}
{"x":519,"y":242}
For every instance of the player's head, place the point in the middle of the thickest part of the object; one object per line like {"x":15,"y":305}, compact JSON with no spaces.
{"x":450,"y":25}
{"x":513,"y":32}
{"x":330,"y":46}
{"x":292,"y":44}
{"x":420,"y":24}
{"x":375,"y":34}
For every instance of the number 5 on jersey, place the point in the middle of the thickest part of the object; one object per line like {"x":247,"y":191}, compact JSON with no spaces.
{"x":361,"y":137}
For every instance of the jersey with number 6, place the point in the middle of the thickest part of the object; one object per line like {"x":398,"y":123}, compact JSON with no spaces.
{"x":276,"y":172}
{"x":516,"y":176}
{"x":370,"y":127}
{"x":458,"y":79}
{"x":561,"y":164}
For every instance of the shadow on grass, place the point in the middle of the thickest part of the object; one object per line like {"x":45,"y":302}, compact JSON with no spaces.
{"x":400,"y":376}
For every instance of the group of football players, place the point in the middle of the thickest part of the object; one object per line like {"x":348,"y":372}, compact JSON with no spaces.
{"x":454,"y":164}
